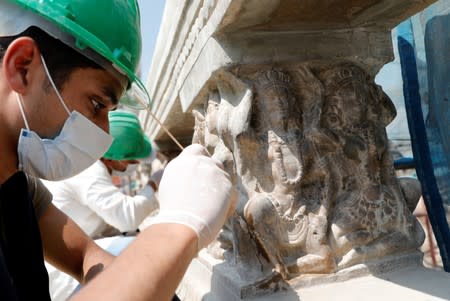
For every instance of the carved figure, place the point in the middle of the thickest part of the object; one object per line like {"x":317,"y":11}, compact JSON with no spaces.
{"x":370,"y":217}
{"x":289,"y":219}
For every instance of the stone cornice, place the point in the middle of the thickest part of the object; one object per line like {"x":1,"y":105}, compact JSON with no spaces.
{"x":199,"y":37}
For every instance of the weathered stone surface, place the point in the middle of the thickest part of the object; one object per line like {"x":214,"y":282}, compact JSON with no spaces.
{"x":307,"y":149}
{"x":391,"y":278}
{"x":199,"y":38}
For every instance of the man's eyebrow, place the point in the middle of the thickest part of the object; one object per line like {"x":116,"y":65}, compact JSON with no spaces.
{"x":111,"y":95}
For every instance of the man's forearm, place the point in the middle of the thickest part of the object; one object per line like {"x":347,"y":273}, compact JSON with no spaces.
{"x":68,"y":248}
{"x":149,"y":269}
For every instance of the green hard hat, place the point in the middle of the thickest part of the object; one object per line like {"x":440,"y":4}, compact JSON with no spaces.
{"x":109,"y":29}
{"x":130,"y":142}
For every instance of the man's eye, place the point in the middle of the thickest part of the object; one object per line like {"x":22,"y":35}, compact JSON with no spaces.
{"x":97,"y":105}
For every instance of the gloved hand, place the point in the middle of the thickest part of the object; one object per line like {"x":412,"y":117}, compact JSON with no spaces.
{"x":195,"y":191}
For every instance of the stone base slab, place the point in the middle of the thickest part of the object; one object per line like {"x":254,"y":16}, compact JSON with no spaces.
{"x":393,"y":278}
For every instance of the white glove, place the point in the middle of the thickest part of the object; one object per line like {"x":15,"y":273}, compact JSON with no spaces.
{"x":195,"y":191}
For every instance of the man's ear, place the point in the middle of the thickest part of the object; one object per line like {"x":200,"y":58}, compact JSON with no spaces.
{"x":19,"y":63}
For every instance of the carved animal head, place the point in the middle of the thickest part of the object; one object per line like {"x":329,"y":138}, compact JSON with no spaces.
{"x":275,"y":99}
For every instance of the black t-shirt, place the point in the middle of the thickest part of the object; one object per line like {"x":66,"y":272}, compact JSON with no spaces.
{"x":22,"y":271}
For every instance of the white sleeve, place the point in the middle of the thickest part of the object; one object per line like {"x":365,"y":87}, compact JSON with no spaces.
{"x":117,"y":209}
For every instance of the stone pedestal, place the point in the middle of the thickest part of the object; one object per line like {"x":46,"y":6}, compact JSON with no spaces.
{"x":391,"y":278}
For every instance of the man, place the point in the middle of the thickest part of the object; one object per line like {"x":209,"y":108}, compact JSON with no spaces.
{"x":64,"y":66}
{"x":92,"y":200}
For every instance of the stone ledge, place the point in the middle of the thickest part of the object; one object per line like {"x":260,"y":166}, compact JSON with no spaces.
{"x":198,"y":38}
{"x":402,"y":276}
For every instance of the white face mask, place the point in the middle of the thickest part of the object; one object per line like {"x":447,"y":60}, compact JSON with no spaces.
{"x":131,"y":168}
{"x":79,"y":144}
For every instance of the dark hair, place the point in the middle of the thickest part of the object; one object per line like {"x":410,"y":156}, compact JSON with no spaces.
{"x":61,"y":59}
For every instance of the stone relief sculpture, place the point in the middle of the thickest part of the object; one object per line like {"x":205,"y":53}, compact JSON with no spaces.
{"x":289,"y":216}
{"x":371,"y":218}
{"x":306,"y":146}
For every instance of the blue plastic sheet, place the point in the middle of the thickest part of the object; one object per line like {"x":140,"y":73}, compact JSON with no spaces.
{"x":429,"y":121}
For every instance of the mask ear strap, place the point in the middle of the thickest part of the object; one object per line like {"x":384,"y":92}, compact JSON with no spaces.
{"x":54,"y":86}
{"x":19,"y":101}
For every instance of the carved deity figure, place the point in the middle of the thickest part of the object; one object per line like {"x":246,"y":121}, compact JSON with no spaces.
{"x":306,"y":147}
{"x":289,"y":217}
{"x":370,"y":217}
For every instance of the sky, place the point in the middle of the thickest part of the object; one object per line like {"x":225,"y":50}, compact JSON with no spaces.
{"x":151,"y":15}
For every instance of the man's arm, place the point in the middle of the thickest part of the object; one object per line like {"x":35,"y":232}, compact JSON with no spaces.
{"x":149,"y":269}
{"x":68,"y":248}
{"x":195,"y":199}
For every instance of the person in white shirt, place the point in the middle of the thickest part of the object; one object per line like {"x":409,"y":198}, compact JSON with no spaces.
{"x":96,"y":204}
{"x":92,"y":200}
